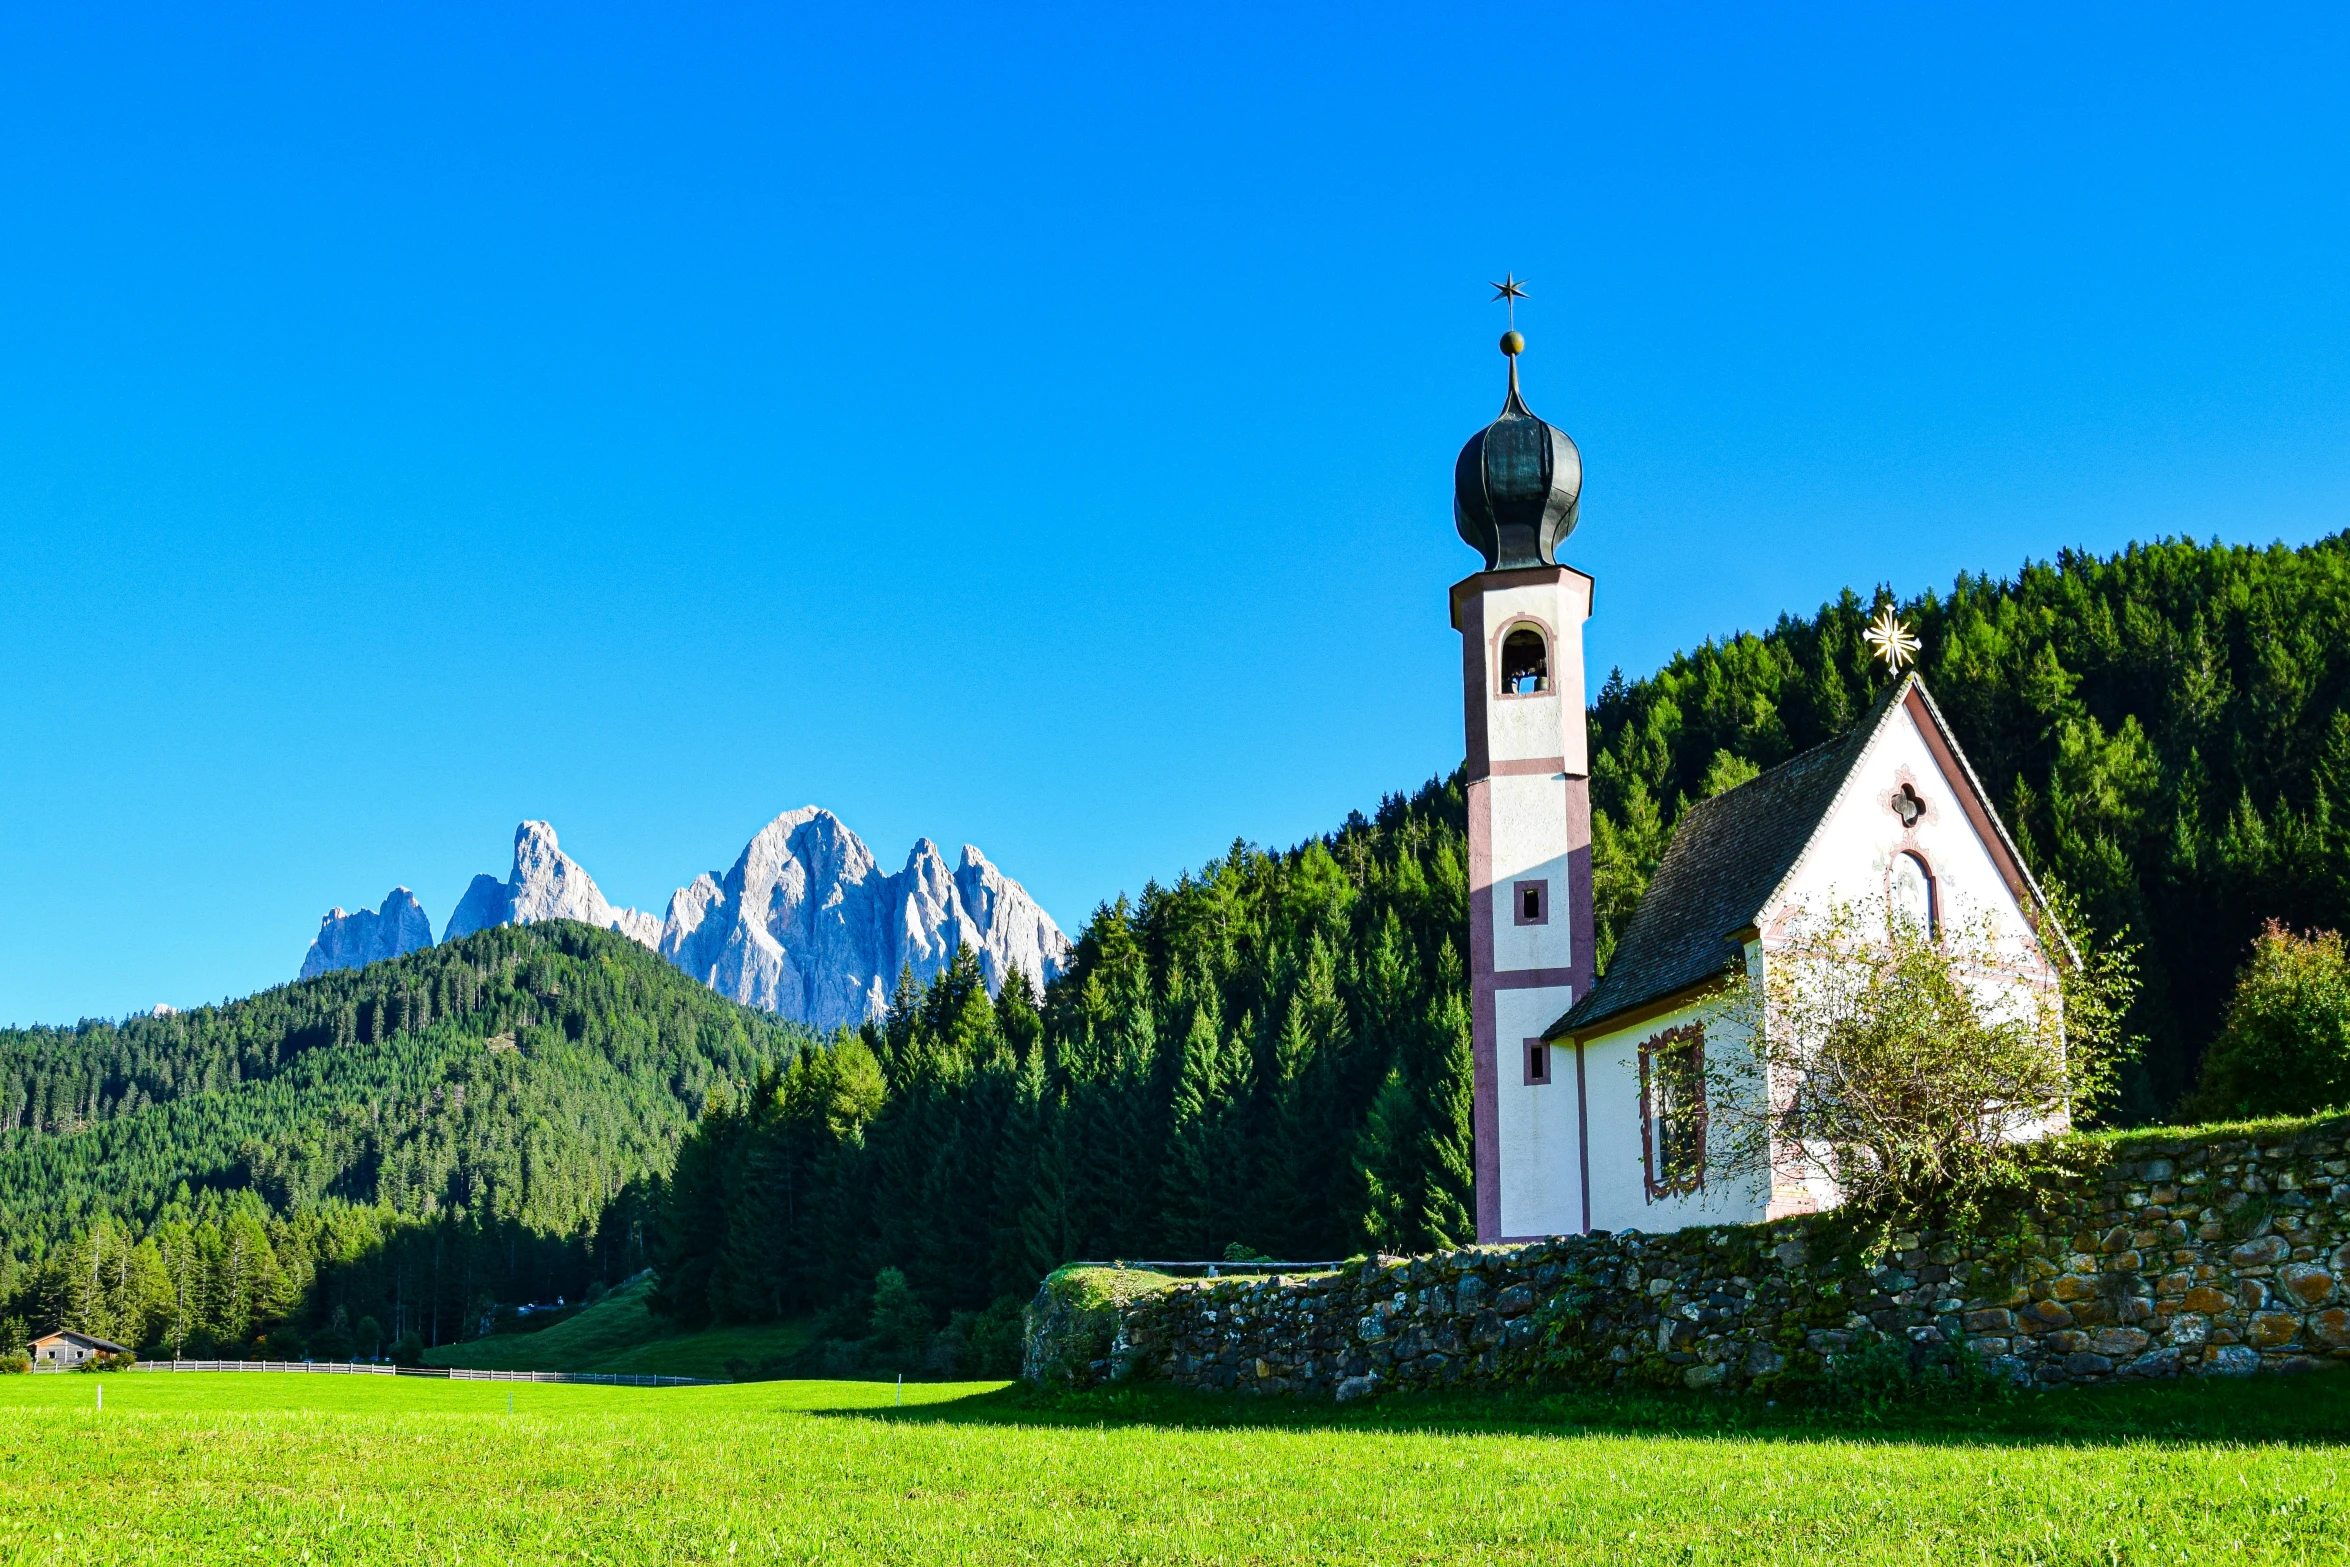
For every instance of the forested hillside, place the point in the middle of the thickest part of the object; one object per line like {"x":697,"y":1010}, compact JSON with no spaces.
{"x":398,"y":1141}
{"x":2165,"y":730}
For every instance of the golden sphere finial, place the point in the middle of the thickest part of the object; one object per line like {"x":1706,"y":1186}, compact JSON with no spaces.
{"x":1513,"y":344}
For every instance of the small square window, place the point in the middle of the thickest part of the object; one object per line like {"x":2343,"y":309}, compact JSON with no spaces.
{"x":1530,"y":902}
{"x":1537,"y":1063}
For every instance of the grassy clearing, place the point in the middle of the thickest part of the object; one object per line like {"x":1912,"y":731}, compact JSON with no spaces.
{"x":2125,"y":1141}
{"x":186,"y":1468}
{"x":620,"y":1333}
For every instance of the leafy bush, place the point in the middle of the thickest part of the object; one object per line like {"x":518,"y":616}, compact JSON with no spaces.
{"x":994,"y":1345}
{"x":408,"y":1350}
{"x":979,"y":1343}
{"x":15,"y":1365}
{"x":1880,"y":1063}
{"x":2284,"y":1046}
{"x":900,"y":1322}
{"x":333,"y":1342}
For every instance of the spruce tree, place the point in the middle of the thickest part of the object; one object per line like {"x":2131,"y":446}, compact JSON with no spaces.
{"x":1016,"y":1258}
{"x":1382,"y":1163}
{"x":1293,"y":1217}
{"x":1206,"y":1177}
{"x":1441,"y":1068}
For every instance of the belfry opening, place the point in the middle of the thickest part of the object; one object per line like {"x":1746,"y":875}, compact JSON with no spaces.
{"x":1525,"y":662}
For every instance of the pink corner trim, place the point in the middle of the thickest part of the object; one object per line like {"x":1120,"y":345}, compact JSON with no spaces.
{"x":1485,"y":1093}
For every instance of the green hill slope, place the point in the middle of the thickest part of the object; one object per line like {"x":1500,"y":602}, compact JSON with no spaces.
{"x":620,"y":1333}
{"x":399,"y":1141}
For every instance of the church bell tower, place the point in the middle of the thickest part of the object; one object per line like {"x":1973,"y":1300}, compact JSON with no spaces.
{"x":1515,"y":492}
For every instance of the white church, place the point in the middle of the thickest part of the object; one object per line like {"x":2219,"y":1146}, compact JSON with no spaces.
{"x":1577,"y":1125}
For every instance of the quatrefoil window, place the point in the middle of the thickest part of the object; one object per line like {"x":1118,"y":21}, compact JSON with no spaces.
{"x":1908,"y":806}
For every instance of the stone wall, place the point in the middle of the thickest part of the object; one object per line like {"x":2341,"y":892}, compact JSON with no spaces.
{"x":2206,"y":1256}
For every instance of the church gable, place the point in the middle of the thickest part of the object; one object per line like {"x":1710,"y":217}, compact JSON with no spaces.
{"x":1909,"y":828}
{"x":1829,"y":824}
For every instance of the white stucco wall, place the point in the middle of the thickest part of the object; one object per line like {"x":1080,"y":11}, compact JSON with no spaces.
{"x":1541,"y":1136}
{"x":1520,"y":804}
{"x":1850,"y":859}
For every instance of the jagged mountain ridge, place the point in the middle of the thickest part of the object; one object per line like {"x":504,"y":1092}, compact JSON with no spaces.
{"x":545,"y":884}
{"x":805,"y":924}
{"x":368,"y":935}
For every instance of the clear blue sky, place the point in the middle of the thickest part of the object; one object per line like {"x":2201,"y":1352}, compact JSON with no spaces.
{"x":1033,"y":427}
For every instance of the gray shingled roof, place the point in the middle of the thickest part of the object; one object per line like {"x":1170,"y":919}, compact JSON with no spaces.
{"x":1728,"y":855}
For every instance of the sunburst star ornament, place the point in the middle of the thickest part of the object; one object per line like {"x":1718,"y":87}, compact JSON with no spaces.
{"x":1895,"y":643}
{"x":1512,"y":289}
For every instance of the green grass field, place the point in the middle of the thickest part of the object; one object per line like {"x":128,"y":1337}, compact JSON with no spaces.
{"x":619,"y":1333}
{"x":288,"y":1468}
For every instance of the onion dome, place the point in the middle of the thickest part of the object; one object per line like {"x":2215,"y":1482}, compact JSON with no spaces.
{"x":1515,"y":487}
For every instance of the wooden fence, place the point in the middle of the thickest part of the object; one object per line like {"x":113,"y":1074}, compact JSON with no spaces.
{"x":451,"y":1373}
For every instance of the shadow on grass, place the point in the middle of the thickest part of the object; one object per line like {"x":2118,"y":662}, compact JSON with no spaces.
{"x":2306,"y":1410}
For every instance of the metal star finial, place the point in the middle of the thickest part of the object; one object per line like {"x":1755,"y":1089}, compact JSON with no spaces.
{"x":1511,"y":289}
{"x":1895,"y":643}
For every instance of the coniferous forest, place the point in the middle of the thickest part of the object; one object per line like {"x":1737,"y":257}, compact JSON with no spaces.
{"x":1271,"y":1053}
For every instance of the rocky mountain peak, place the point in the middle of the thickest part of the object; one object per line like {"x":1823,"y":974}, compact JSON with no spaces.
{"x":545,"y":884}
{"x":806,"y":924}
{"x":356,"y":940}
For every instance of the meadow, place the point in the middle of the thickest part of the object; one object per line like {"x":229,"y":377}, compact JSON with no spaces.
{"x":288,"y":1468}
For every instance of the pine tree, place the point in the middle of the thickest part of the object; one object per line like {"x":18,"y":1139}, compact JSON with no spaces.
{"x":1382,"y":1163}
{"x":1441,"y":1071}
{"x":1293,"y":1217}
{"x":1019,"y":1254}
{"x":1206,"y":1178}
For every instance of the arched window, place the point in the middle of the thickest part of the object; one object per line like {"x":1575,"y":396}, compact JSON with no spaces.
{"x":1525,"y":662}
{"x":1913,"y":894}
